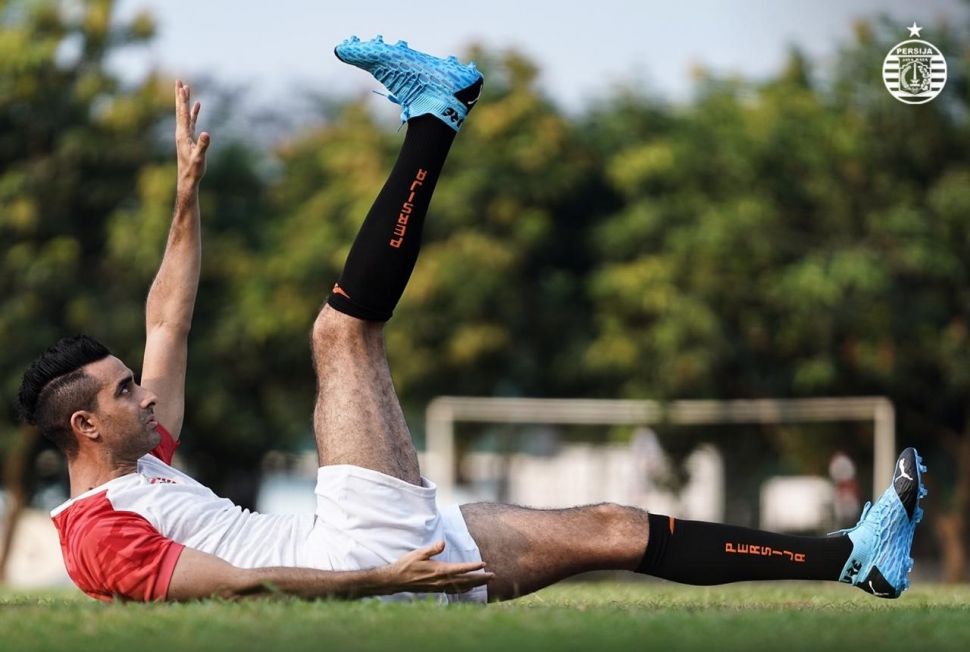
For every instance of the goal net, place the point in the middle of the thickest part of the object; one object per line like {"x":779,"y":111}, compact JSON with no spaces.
{"x":444,"y":413}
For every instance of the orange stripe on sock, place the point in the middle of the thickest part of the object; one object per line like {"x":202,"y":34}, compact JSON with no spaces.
{"x":339,"y":290}
{"x":671,"y":524}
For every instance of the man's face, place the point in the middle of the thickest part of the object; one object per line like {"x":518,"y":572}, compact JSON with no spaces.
{"x":124,"y":416}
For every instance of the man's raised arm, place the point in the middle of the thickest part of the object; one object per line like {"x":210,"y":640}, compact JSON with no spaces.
{"x":171,"y":299}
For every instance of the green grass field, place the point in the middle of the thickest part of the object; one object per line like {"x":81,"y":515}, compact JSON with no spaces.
{"x":574,"y":616}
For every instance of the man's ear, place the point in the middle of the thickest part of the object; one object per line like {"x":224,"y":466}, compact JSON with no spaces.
{"x":85,"y":424}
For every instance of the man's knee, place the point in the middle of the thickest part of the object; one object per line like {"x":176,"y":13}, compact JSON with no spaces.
{"x":612,"y":513}
{"x":333,"y":328}
{"x":620,"y":524}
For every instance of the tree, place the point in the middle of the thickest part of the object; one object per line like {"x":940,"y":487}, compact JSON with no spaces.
{"x":72,"y":143}
{"x":795,"y":238}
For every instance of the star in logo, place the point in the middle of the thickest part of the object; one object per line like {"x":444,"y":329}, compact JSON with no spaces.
{"x":914,"y":29}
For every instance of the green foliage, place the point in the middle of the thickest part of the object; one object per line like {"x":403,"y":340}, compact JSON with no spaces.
{"x":86,"y":191}
{"x":803,"y":235}
{"x":73,"y":143}
{"x":792,"y":238}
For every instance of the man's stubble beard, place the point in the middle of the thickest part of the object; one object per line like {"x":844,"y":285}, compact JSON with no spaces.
{"x":138,"y":442}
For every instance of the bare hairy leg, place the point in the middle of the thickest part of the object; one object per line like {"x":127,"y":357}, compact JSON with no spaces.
{"x":357,"y":418}
{"x":529,"y":549}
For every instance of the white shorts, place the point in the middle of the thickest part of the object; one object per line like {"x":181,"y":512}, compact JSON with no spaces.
{"x":366,"y":519}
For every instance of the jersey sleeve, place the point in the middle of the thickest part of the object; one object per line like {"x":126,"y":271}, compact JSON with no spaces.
{"x":166,"y":448}
{"x":122,"y":555}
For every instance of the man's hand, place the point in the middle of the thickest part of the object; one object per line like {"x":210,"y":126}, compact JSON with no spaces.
{"x":416,"y":572}
{"x":189,"y":149}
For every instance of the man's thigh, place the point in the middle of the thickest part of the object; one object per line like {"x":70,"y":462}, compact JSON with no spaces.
{"x":358,"y":419}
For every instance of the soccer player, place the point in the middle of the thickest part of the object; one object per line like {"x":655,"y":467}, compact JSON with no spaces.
{"x":137,"y":528}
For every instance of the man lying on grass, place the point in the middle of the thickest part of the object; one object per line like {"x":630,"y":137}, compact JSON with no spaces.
{"x":139,"y":529}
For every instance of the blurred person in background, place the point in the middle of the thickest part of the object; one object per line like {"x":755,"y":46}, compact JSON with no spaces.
{"x":846,"y":502}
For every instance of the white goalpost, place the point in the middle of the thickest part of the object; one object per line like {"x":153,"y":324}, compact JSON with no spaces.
{"x":444,"y":411}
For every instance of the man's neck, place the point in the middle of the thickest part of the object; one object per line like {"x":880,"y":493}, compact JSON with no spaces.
{"x":90,"y":471}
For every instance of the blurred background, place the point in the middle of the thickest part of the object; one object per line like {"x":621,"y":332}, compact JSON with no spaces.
{"x":700,"y":201}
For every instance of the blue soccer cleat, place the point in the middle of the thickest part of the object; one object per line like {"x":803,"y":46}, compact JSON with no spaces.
{"x":880,"y":561}
{"x":420,"y":83}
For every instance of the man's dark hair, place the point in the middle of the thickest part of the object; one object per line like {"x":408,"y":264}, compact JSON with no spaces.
{"x":55,"y":387}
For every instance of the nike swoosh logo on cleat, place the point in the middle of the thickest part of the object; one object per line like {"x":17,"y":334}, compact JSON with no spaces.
{"x":470,"y":102}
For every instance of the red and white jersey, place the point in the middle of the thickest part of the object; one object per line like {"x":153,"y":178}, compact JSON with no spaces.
{"x":123,"y":538}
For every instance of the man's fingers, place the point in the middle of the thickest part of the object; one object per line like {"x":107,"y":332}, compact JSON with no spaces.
{"x":463,"y":575}
{"x":465,"y":583}
{"x":179,"y":102}
{"x":195,"y":115}
{"x":428,"y":552}
{"x":204,"y":140}
{"x":184,"y":117}
{"x":476,"y":579}
{"x":460,"y":568}
{"x":444,"y":570}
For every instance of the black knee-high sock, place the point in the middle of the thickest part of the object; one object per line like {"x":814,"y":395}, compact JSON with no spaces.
{"x":383,"y":255}
{"x":694,"y":552}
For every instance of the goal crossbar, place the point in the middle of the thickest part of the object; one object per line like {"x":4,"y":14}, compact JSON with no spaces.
{"x":444,"y":411}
